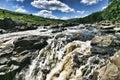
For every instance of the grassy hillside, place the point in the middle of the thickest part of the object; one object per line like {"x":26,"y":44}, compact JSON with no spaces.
{"x":27,"y":18}
{"x":112,"y":13}
{"x":95,"y":17}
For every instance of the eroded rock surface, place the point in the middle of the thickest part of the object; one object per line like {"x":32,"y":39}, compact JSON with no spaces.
{"x":48,"y":53}
{"x":15,"y":56}
{"x":105,"y":44}
{"x":111,"y":71}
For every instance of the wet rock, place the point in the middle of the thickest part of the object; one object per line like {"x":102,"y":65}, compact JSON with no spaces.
{"x":68,"y":66}
{"x":16,"y":56}
{"x":117,"y":34}
{"x":115,"y":59}
{"x":79,"y":36}
{"x":6,"y":51}
{"x":31,"y":42}
{"x":111,"y":70}
{"x":102,"y":51}
{"x":108,"y":31}
{"x":72,"y":46}
{"x":102,"y":41}
{"x":106,"y":41}
{"x":117,"y":29}
{"x":25,"y":26}
{"x":51,"y":64}
{"x":105,"y":23}
{"x":2,"y":31}
{"x":108,"y":27}
{"x":58,"y":30}
{"x":3,"y":61}
{"x":13,"y":25}
{"x":67,"y":56}
{"x":7,"y":23}
{"x":105,"y":44}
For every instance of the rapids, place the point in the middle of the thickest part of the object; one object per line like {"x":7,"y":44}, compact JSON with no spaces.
{"x":66,"y":57}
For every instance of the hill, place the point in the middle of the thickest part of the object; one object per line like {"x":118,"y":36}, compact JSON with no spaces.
{"x":14,"y":21}
{"x":111,"y":13}
{"x":94,"y":17}
{"x":27,"y":18}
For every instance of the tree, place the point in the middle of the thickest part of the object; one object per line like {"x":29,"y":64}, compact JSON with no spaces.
{"x":4,"y":13}
{"x":112,"y":12}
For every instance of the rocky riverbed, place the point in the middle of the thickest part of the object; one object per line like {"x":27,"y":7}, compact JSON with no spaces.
{"x":83,"y":52}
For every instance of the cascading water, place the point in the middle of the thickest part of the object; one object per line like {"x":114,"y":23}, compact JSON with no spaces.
{"x":63,"y":59}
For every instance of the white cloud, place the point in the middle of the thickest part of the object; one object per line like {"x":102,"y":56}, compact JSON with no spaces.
{"x":52,"y":5}
{"x":80,"y":16}
{"x":21,"y":10}
{"x":16,"y":0}
{"x":2,"y":8}
{"x":17,"y":6}
{"x":90,"y":2}
{"x":80,"y":12}
{"x":64,"y":18}
{"x":20,"y":0}
{"x":104,"y":7}
{"x":46,"y":14}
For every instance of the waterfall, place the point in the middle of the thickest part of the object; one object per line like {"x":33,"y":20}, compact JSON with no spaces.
{"x":63,"y":59}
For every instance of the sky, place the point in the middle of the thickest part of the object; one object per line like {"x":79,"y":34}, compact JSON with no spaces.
{"x":55,"y":9}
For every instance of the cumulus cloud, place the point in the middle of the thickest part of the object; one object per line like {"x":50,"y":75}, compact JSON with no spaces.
{"x":46,"y":14}
{"x":90,"y":2}
{"x":104,"y":7}
{"x":80,"y":16}
{"x":52,"y":5}
{"x":80,"y":12}
{"x":65,"y":18}
{"x":2,"y":8}
{"x":17,"y":6}
{"x":21,"y":10}
{"x":20,"y":0}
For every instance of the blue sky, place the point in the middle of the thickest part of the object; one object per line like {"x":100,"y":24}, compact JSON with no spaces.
{"x":58,"y":9}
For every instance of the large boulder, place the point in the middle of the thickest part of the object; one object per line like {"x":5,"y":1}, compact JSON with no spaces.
{"x":102,"y":41}
{"x":105,"y":44}
{"x":110,"y":71}
{"x":31,"y":42}
{"x":13,"y":25}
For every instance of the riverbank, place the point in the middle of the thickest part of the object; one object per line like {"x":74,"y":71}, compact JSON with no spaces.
{"x":66,"y":53}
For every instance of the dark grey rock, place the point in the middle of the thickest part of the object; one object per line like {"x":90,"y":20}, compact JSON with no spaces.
{"x":18,"y":55}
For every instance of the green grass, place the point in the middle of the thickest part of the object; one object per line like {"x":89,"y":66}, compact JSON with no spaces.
{"x":92,"y":18}
{"x":111,"y":13}
{"x":28,"y":18}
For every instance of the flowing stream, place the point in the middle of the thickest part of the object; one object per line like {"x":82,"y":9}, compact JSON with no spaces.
{"x":66,"y":57}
